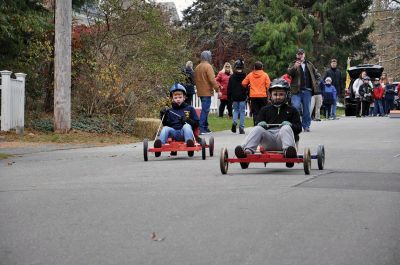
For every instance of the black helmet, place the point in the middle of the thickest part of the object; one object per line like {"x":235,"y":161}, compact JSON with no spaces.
{"x":279,"y":83}
{"x":177,"y":87}
{"x":239,"y":64}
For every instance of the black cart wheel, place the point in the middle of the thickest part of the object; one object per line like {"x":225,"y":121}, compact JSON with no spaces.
{"x":223,"y":160}
{"x":244,"y":165}
{"x":307,"y":161}
{"x":203,"y":148}
{"x":211,"y":146}
{"x":145,"y":149}
{"x":321,"y":156}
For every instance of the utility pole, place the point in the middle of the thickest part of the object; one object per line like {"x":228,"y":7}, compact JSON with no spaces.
{"x":62,"y":66}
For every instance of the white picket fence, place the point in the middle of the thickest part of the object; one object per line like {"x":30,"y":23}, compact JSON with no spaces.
{"x":215,"y":102}
{"x":12,"y":101}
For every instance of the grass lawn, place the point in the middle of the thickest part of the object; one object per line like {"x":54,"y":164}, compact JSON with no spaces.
{"x":11,"y":139}
{"x":4,"y":156}
{"x":220,"y":124}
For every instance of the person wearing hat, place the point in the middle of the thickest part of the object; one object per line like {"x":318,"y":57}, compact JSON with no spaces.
{"x":337,"y":81}
{"x":278,"y":125}
{"x":305,"y":79}
{"x":205,"y":85}
{"x":179,"y":121}
{"x":365,"y":92}
{"x":237,"y":94}
{"x":377,"y":95}
{"x":329,"y":96}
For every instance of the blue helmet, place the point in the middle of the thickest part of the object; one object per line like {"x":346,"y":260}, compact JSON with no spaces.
{"x":177,"y":87}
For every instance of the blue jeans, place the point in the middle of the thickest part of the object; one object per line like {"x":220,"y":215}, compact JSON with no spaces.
{"x":183,"y":134}
{"x":302,"y":102}
{"x":333,"y":110}
{"x":205,"y":109}
{"x":239,"y":109}
{"x":378,"y":107}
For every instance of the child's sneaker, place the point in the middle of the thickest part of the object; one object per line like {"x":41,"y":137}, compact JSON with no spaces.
{"x":233,"y":129}
{"x":241,"y":130}
{"x":190,"y":143}
{"x":290,"y":152}
{"x":240,"y":152}
{"x":157,"y":144}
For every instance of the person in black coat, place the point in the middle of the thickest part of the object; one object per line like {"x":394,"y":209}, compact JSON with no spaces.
{"x":189,"y":82}
{"x":337,"y":81}
{"x":237,"y":94}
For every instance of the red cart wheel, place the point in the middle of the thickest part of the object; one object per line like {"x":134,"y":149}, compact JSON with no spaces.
{"x":307,"y":161}
{"x":223,"y":161}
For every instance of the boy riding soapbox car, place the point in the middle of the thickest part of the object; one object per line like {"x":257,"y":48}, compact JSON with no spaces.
{"x":264,"y":156}
{"x":174,"y":146}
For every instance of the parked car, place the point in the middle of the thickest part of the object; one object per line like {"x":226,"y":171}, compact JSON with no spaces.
{"x":373,"y":71}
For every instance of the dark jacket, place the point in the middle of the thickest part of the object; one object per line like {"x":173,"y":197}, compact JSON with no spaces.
{"x":329,"y":94}
{"x":189,"y":80}
{"x":236,"y":92}
{"x":274,"y":115}
{"x":390,"y":92}
{"x":311,"y":79}
{"x":365,"y":92}
{"x":176,"y":116}
{"x":337,"y":79}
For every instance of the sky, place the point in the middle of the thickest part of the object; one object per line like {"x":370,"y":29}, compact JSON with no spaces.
{"x":180,"y":4}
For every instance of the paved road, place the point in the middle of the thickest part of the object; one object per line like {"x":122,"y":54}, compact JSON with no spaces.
{"x":101,"y":205}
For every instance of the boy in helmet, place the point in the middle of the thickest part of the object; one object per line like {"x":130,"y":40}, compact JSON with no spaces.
{"x":269,"y":135}
{"x":179,"y":121}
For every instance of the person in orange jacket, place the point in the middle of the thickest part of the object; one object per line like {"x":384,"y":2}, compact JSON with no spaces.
{"x":259,"y":82}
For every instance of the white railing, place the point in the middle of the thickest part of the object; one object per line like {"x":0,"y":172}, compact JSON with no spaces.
{"x":196,"y":103}
{"x":12,"y":101}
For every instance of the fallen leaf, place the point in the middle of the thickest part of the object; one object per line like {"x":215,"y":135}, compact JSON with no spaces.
{"x":154,"y":237}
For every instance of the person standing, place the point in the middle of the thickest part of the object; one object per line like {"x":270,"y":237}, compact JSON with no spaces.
{"x":377,"y":95}
{"x":365,"y":91}
{"x":389,"y":96}
{"x":259,"y":82}
{"x":337,"y":81}
{"x":329,"y":95}
{"x":355,"y":91}
{"x":189,"y":82}
{"x":222,"y":80}
{"x":237,"y":95}
{"x":305,"y":78}
{"x":316,"y":101}
{"x":206,"y":85}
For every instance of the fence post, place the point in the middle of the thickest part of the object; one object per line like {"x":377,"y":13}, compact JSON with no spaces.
{"x":5,"y":100}
{"x":21,"y":104}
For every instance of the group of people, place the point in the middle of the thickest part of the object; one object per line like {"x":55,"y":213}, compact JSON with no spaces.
{"x":281,"y":109}
{"x":373,"y":97}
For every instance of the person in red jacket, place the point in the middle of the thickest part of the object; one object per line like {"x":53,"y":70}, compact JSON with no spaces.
{"x":223,"y":80}
{"x":377,"y":95}
{"x":259,"y":82}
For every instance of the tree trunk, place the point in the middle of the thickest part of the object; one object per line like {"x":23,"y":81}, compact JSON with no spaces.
{"x":62,"y":66}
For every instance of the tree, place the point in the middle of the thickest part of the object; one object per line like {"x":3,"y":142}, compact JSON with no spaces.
{"x":125,"y":61}
{"x":385,"y":15}
{"x":325,"y":29}
{"x":224,"y":27}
